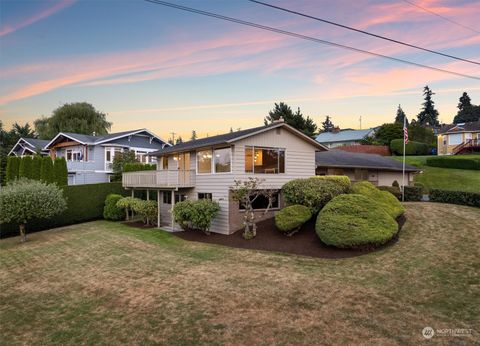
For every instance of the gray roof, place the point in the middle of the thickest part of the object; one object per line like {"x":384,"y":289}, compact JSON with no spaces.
{"x":344,"y":135}
{"x":225,"y":138}
{"x":473,"y":126}
{"x":344,"y":159}
{"x":36,"y":143}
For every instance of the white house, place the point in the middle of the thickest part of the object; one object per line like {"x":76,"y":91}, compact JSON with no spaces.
{"x":207,"y":168}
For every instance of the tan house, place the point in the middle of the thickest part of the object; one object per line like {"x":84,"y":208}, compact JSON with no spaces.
{"x":379,"y":170}
{"x":457,"y":139}
{"x":207,"y":168}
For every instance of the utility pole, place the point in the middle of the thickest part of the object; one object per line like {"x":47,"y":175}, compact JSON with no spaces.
{"x":360,"y":122}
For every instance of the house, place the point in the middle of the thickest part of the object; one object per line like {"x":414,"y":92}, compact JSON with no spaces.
{"x":461,"y":138}
{"x":29,"y":146}
{"x":338,"y":137}
{"x":379,"y":170}
{"x":207,"y":168}
{"x":90,"y":158}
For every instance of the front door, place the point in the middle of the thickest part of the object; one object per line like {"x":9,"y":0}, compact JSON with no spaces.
{"x":183,"y":168}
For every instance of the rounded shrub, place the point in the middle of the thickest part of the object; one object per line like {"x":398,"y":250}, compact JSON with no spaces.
{"x":290,"y":219}
{"x":197,"y":214}
{"x":384,"y":199}
{"x":339,"y":179}
{"x":127,"y":204}
{"x":147,"y":210}
{"x":313,"y":192}
{"x":353,"y":221}
{"x":110,"y":210}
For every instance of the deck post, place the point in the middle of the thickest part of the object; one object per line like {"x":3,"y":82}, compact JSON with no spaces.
{"x":173,"y":204}
{"x":133,"y":192}
{"x":148,"y":194}
{"x":158,"y":208}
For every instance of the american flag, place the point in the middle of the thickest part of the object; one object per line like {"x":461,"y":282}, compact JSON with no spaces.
{"x":405,"y":134}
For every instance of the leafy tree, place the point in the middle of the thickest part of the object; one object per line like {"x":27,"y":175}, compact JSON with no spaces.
{"x":179,"y":140}
{"x":80,"y":117}
{"x":194,"y":135}
{"x":24,"y":200}
{"x":387,"y":132}
{"x":296,"y":120}
{"x":418,"y":133}
{"x":12,"y":169}
{"x":119,"y":162}
{"x":23,"y":131}
{"x":467,"y":112}
{"x":327,"y":125}
{"x":428,"y":115}
{"x":26,"y":168}
{"x":46,"y":170}
{"x":60,"y":171}
{"x":400,"y":116}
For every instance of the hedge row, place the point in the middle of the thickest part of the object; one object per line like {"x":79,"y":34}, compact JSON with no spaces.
{"x":37,"y":168}
{"x":454,"y":162}
{"x":138,"y":166}
{"x":471,"y":199}
{"x":84,"y":203}
{"x":412,"y":148}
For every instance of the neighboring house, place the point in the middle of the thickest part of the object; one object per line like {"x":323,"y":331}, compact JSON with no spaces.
{"x":29,"y":146}
{"x":379,"y":170}
{"x":459,"y":138}
{"x":90,"y":158}
{"x":207,"y":168}
{"x":338,"y":138}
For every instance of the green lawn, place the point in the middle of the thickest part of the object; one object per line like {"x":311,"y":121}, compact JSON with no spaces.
{"x":105,"y":283}
{"x":444,"y":178}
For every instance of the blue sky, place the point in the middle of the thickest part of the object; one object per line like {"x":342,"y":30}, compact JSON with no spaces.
{"x":150,"y":66}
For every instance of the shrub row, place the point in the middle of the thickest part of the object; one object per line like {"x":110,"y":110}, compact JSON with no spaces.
{"x":412,"y":148}
{"x":455,"y":197}
{"x":454,"y":162}
{"x":37,"y":168}
{"x":84,"y":203}
{"x":138,"y":166}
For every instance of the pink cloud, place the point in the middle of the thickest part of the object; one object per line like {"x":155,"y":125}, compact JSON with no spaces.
{"x":10,"y":28}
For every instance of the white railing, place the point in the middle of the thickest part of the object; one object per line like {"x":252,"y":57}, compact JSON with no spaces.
{"x":158,"y":179}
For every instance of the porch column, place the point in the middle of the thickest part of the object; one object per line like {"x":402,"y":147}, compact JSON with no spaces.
{"x":133,"y":193}
{"x":158,"y":208}
{"x":173,"y":204}
{"x":148,"y":194}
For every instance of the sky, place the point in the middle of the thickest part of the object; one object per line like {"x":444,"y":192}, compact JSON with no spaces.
{"x":149,"y":66}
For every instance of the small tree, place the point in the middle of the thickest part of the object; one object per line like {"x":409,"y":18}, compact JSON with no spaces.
{"x":46,"y":170}
{"x":119,"y":162}
{"x":194,"y":135}
{"x":127,"y":203}
{"x":400,"y":116}
{"x":428,"y":115}
{"x":327,"y":125}
{"x":246,"y":192}
{"x":60,"y":171}
{"x":24,"y":200}
{"x":179,"y":140}
{"x":12,"y":170}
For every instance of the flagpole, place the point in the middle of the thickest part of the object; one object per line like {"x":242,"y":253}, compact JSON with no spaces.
{"x":403,"y":168}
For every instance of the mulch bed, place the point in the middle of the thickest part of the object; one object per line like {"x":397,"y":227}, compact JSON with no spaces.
{"x":305,"y":242}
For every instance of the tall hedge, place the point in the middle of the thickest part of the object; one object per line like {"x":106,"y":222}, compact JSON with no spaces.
{"x":84,"y":203}
{"x":47,"y":174}
{"x":412,"y":148}
{"x":60,"y":171}
{"x":26,"y":167}
{"x":138,"y":166}
{"x":457,"y":162}
{"x":36,"y":167}
{"x":13,"y":167}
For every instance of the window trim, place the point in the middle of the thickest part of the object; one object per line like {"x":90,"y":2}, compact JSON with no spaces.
{"x":253,"y":147}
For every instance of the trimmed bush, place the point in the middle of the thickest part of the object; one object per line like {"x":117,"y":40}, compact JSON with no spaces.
{"x":352,"y":221}
{"x":138,"y":166}
{"x":340,"y":179}
{"x":36,"y":167}
{"x":46,"y":170}
{"x":290,"y":219}
{"x":12,"y":170}
{"x":457,"y":162}
{"x":385,"y":199}
{"x":84,"y":203}
{"x":471,"y":199}
{"x":110,"y":210}
{"x":413,"y":193}
{"x":412,"y":148}
{"x":147,"y":210}
{"x":60,"y":171}
{"x":393,"y":190}
{"x":313,"y":192}
{"x":25,"y":169}
{"x":197,"y":214}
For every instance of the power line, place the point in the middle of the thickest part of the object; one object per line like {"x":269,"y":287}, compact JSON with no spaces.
{"x":443,"y":17}
{"x":364,"y":32}
{"x":304,"y":37}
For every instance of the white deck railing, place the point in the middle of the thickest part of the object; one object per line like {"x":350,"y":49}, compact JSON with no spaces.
{"x":158,"y":179}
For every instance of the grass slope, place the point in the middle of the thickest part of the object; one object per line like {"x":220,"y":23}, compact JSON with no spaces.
{"x":104,"y":283}
{"x":444,"y":178}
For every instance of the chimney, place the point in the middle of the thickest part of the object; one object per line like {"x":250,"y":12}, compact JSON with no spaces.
{"x":336,"y":129}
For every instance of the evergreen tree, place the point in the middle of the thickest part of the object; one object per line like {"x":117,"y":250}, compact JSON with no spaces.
{"x":25,"y":169}
{"x":60,"y":171}
{"x":466,"y":111}
{"x":400,"y":116}
{"x":428,"y":115}
{"x":36,"y":167}
{"x":179,"y":140}
{"x":12,"y":170}
{"x":46,"y":171}
{"x":231,"y":129}
{"x":194,"y":135}
{"x":296,"y":120}
{"x":327,"y":125}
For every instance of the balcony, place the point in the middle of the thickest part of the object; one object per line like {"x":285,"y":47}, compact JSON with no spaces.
{"x":159,"y":179}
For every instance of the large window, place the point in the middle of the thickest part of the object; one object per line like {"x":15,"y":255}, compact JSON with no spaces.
{"x":455,"y":139}
{"x":204,"y":161}
{"x":74,"y":155}
{"x":261,"y":202}
{"x":167,"y":198}
{"x":264,"y":160}
{"x":165,"y":162}
{"x":222,"y":160}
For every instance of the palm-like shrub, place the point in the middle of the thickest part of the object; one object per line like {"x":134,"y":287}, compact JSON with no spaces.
{"x":352,"y":221}
{"x":110,"y":210}
{"x":290,"y":219}
{"x":386,"y":200}
{"x":127,"y":204}
{"x":24,"y":200}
